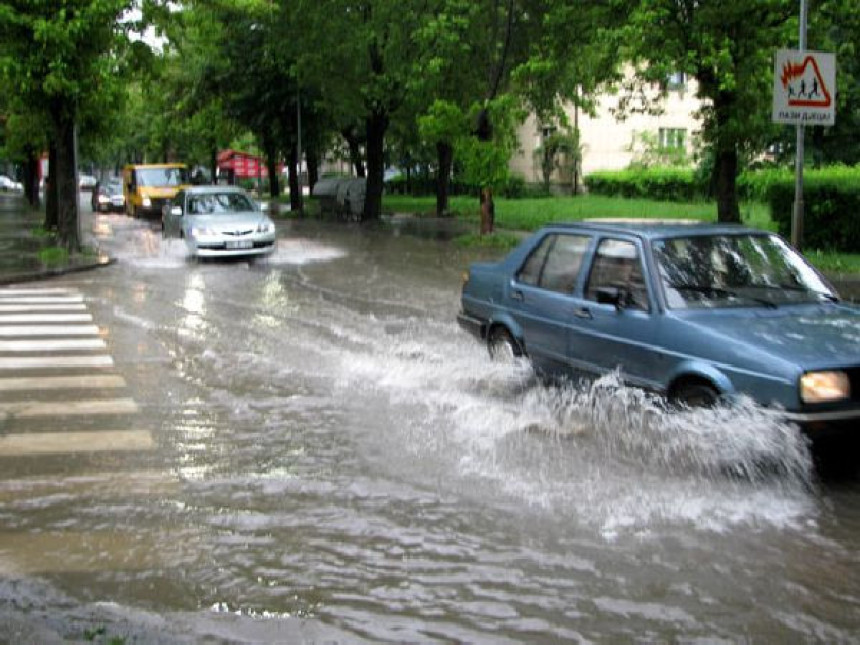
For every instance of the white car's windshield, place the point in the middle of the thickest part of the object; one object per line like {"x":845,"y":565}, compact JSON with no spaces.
{"x":215,"y":203}
{"x":735,"y":271}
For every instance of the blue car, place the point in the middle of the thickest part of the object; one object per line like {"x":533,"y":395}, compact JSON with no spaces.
{"x":699,"y":313}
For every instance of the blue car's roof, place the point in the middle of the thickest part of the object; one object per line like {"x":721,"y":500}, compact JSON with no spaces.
{"x":653,"y":229}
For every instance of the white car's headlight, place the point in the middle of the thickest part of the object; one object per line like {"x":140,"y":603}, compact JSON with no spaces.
{"x":104,"y":199}
{"x":147,"y":202}
{"x":201,"y":231}
{"x":265,"y":227}
{"x":823,"y":387}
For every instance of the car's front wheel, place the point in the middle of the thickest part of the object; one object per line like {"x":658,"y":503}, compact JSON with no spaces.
{"x":502,"y":345}
{"x":695,"y":395}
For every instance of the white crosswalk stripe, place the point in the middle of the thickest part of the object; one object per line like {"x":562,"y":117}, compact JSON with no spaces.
{"x":54,"y":347}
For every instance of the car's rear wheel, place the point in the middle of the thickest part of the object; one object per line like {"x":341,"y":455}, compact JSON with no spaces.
{"x":502,"y":345}
{"x":695,"y":395}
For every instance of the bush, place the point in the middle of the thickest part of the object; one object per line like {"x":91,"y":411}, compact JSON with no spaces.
{"x":831,"y":199}
{"x":669,"y":184}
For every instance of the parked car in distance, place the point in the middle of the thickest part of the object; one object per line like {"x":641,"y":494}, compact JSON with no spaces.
{"x":7,"y":184}
{"x":219,"y":221}
{"x":696,"y":312}
{"x":87,"y":182}
{"x":108,"y":196}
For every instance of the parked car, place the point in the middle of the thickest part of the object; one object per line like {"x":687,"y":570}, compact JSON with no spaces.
{"x":87,"y":182}
{"x":697,"y":312}
{"x":219,"y":221}
{"x":7,"y":184}
{"x":108,"y":196}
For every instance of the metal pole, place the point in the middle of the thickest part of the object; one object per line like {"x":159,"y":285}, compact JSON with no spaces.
{"x":299,"y":145}
{"x":797,"y":215}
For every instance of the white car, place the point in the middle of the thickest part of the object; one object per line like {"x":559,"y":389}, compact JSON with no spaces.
{"x":219,"y":221}
{"x":8,"y":185}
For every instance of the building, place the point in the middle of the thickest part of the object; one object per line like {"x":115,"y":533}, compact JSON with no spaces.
{"x":608,"y":143}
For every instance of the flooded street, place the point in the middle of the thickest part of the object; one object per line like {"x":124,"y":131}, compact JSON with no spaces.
{"x":334,"y":460}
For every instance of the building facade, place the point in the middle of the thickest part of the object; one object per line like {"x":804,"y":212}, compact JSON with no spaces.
{"x":610,"y":143}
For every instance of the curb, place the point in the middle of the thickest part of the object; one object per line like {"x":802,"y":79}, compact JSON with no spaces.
{"x":55,"y":272}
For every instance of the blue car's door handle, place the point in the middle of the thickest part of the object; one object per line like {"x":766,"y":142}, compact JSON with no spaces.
{"x":582,"y":312}
{"x":516,"y":294}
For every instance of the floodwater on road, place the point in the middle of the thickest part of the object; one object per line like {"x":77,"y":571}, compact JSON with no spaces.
{"x":337,"y":461}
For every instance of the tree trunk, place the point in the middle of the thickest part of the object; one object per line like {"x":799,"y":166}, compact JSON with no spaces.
{"x":213,"y":165}
{"x":51,"y":215}
{"x":295,"y":189}
{"x":31,"y":179}
{"x":726,"y":169}
{"x":445,"y":156}
{"x":313,"y":160}
{"x":488,"y":211}
{"x":354,"y":144}
{"x":66,"y":186}
{"x":377,"y":124}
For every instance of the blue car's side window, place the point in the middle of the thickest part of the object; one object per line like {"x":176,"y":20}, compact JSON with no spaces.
{"x":556,"y":263}
{"x":617,"y":266}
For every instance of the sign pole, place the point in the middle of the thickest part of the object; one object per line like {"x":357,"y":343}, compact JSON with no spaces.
{"x":797,"y":215}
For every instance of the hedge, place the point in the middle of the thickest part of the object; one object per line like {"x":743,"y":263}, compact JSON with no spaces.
{"x":668,"y":184}
{"x":831,"y":200}
{"x":831,"y":197}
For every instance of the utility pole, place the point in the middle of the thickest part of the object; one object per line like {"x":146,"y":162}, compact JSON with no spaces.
{"x":797,"y":215}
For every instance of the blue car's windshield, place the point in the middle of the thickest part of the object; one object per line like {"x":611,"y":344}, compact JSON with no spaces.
{"x":735,"y":271}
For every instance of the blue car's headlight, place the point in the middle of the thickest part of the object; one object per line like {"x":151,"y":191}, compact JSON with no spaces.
{"x":824,"y":387}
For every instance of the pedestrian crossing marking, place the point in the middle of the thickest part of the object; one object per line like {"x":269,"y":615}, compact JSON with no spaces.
{"x":44,"y":318}
{"x":51,"y":345}
{"x":42,"y":300}
{"x":85,"y":381}
{"x":44,"y":443}
{"x":28,"y":409}
{"x":54,"y":362}
{"x":17,"y":331}
{"x":44,"y":307}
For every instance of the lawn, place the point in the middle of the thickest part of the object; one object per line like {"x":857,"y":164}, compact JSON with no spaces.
{"x":531,"y":214}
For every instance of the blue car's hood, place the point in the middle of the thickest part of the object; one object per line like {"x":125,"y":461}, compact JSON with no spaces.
{"x":809,"y":336}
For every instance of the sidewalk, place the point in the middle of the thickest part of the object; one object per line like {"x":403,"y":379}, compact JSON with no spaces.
{"x":20,"y":245}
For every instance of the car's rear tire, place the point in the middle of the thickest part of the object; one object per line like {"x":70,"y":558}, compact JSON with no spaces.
{"x":502,"y":345}
{"x":695,"y":395}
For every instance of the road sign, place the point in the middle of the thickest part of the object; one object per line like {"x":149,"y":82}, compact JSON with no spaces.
{"x":804,"y":88}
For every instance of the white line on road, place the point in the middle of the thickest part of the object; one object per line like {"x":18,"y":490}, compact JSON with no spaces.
{"x":45,"y":318}
{"x":61,"y":307}
{"x":40,"y":300}
{"x":12,"y":331}
{"x":51,"y":345}
{"x":54,"y":362}
{"x":28,"y":409}
{"x":61,"y":383}
{"x":40,"y":291}
{"x":43,"y":443}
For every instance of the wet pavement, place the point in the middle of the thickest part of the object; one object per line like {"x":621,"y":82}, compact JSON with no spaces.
{"x":320,"y":455}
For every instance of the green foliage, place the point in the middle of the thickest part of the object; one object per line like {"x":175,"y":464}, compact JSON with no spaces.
{"x":669,"y":184}
{"x":831,"y":203}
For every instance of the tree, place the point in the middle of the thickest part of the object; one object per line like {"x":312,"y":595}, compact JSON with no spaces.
{"x":728,"y":47}
{"x":54,"y":56}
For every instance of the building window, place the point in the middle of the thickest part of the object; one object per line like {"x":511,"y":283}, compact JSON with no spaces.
{"x":673,"y":138}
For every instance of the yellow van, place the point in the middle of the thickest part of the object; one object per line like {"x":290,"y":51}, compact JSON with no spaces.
{"x":148,"y":186}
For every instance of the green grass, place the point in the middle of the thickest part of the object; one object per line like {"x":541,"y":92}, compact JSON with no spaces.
{"x":531,"y":214}
{"x":53,"y":256}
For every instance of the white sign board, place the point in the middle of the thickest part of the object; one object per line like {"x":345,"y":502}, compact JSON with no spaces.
{"x":804,"y":88}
